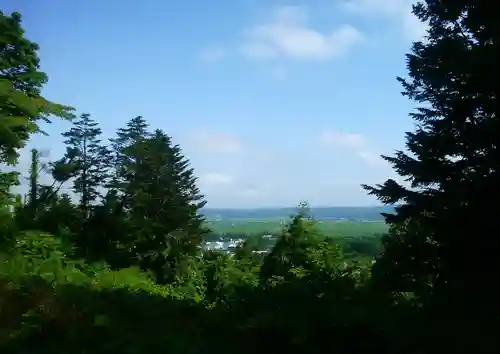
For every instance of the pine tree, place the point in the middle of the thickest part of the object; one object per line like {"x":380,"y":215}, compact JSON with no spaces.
{"x":125,"y":154}
{"x":168,"y":201}
{"x":116,"y":230}
{"x":292,"y":247}
{"x":443,"y":221}
{"x":21,"y":104}
{"x":163,"y":202}
{"x":90,"y":159}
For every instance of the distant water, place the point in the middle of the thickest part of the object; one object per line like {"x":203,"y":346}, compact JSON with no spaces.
{"x":320,"y":213}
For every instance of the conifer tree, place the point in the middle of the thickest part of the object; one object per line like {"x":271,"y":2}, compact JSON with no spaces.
{"x":165,"y":206}
{"x":453,"y":161}
{"x":34,"y":195}
{"x":159,"y":200}
{"x":89,"y":158}
{"x":125,"y":153}
{"x":291,"y":249}
{"x":116,"y":228}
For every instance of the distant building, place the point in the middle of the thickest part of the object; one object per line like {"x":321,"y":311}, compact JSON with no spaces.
{"x":226,"y":246}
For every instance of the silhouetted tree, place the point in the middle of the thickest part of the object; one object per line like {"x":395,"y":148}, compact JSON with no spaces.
{"x":452,"y":166}
{"x":89,"y":158}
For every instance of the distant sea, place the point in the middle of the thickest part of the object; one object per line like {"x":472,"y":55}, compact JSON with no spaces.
{"x":319,"y":213}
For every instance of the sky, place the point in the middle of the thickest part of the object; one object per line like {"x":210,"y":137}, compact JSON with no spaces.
{"x":274,"y":102}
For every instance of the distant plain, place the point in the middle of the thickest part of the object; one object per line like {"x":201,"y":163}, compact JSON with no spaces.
{"x":332,"y":221}
{"x":331,"y":228}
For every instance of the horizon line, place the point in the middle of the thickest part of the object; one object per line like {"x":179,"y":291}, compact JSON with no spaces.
{"x":289,"y":207}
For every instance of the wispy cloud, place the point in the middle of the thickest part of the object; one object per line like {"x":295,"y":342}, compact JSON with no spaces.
{"x":216,"y":179}
{"x":343,"y":139}
{"x":353,"y":141}
{"x":287,"y":34}
{"x":398,"y":11}
{"x":371,"y":158}
{"x":216,"y":142}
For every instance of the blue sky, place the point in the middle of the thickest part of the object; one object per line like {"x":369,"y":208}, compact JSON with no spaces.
{"x":273,"y":101}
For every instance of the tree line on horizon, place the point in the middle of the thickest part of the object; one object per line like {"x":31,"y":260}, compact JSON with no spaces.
{"x":120,"y":268}
{"x":371,"y":213}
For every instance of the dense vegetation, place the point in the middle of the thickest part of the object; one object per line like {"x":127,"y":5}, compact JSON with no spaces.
{"x":120,"y":269}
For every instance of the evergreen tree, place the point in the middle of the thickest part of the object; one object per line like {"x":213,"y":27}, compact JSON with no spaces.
{"x":292,"y":249}
{"x":90,"y":159}
{"x":443,"y":223}
{"x":154,"y":192}
{"x":114,"y":227}
{"x":31,"y":209}
{"x":125,"y":155}
{"x":163,"y":202}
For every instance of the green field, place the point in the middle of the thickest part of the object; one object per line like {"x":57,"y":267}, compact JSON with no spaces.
{"x":332,"y":228}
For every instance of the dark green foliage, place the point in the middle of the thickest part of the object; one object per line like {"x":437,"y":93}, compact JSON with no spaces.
{"x":452,"y":166}
{"x":21,"y":104}
{"x":452,"y":159}
{"x":293,"y":248}
{"x":86,"y":161}
{"x":228,"y":277}
{"x":65,"y":306}
{"x":125,"y":154}
{"x":164,"y":203}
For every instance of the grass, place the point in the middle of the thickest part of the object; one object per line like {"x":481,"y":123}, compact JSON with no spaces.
{"x":332,"y":228}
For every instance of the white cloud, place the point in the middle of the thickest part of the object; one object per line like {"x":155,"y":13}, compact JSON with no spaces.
{"x":344,"y":139}
{"x":216,"y":179}
{"x":216,"y":142}
{"x":356,"y":142}
{"x":385,"y":7}
{"x":371,"y":158}
{"x":288,"y":35}
{"x":399,"y":11}
{"x":212,"y":54}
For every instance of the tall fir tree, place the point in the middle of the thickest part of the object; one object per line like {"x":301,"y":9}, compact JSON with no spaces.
{"x":443,"y":223}
{"x":164,"y":204}
{"x":178,"y":197}
{"x":113,"y":222}
{"x":125,"y":155}
{"x":21,"y":103}
{"x":90,"y":160}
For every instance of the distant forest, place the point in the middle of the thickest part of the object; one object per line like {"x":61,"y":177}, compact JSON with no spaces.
{"x":320,"y":213}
